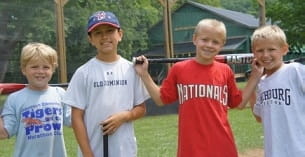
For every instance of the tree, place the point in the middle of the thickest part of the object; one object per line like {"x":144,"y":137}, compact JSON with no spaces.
{"x":244,"y":6}
{"x":289,"y":15}
{"x":22,"y":22}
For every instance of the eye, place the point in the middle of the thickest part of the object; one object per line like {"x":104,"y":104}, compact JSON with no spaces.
{"x":216,"y":42}
{"x":46,"y":67}
{"x":34,"y":66}
{"x":204,"y":39}
{"x":96,"y":32}
{"x":110,"y":30}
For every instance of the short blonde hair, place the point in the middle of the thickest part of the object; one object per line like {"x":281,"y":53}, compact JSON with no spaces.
{"x":269,"y":32}
{"x":211,"y":23}
{"x":38,"y":51}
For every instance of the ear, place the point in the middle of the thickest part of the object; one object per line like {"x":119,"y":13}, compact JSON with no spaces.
{"x":120,"y":34}
{"x":285,"y":49}
{"x":90,"y":40}
{"x":194,"y":39}
{"x":23,"y":71}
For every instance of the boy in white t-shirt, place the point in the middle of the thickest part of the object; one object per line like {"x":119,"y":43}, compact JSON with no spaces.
{"x":106,"y":94}
{"x":280,"y":96}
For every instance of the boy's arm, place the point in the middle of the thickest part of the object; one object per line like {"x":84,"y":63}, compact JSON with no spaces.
{"x":112,"y":123}
{"x":252,"y":102}
{"x":80,"y":132}
{"x":152,"y":88}
{"x":3,"y":132}
{"x":252,"y":82}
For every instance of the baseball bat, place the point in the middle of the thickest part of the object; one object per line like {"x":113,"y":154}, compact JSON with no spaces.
{"x":8,"y":88}
{"x":105,"y":144}
{"x":229,"y":59}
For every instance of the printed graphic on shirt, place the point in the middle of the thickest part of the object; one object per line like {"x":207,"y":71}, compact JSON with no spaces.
{"x":219,"y":93}
{"x":42,"y":120}
{"x":97,"y":84}
{"x":277,"y":96}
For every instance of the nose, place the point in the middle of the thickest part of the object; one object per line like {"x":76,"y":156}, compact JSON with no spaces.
{"x":209,"y":43}
{"x":40,"y":70}
{"x":265,"y":53}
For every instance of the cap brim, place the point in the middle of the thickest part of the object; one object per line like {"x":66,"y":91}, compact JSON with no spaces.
{"x":102,"y":23}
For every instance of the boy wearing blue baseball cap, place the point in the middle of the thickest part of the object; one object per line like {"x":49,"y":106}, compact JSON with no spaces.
{"x":105,"y":93}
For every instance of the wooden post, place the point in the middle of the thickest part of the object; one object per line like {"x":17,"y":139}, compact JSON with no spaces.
{"x":167,"y":18}
{"x":61,"y":43}
{"x":262,"y":12}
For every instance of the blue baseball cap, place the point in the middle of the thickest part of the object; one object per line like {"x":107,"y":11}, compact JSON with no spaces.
{"x":102,"y":18}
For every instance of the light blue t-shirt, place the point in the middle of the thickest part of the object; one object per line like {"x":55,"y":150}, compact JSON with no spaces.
{"x":36,"y":118}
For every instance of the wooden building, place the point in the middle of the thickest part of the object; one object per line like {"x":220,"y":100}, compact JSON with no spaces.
{"x":240,"y":27}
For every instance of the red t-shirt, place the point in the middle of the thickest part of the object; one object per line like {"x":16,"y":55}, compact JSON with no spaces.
{"x":204,"y":92}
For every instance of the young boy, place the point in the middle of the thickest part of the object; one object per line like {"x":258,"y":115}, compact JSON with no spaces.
{"x":280,"y":101}
{"x":106,"y":94}
{"x":35,"y":114}
{"x":205,"y":89}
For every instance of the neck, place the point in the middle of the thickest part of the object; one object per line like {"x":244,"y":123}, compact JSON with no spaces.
{"x":108,"y":57}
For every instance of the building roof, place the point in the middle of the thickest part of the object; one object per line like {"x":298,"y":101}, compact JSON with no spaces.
{"x":234,"y":44}
{"x":241,"y":18}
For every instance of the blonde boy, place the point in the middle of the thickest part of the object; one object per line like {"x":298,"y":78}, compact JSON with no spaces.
{"x":35,"y":114}
{"x":280,"y":96}
{"x":205,"y":90}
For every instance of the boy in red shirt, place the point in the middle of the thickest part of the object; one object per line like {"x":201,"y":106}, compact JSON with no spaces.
{"x":205,"y":90}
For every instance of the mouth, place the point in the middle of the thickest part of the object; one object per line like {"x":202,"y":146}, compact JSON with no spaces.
{"x":39,"y":78}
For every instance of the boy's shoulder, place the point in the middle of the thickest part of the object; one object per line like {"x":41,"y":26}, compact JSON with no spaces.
{"x":295,"y":66}
{"x":58,"y":90}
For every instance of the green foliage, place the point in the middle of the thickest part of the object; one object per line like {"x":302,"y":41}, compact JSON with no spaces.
{"x":244,"y":6}
{"x":289,"y":15}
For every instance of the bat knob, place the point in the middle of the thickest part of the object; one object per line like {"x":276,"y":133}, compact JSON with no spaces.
{"x":135,"y":61}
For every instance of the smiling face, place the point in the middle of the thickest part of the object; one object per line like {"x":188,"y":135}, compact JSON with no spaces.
{"x":208,"y":41}
{"x":269,"y":54}
{"x":38,"y":73}
{"x":269,"y":46}
{"x":38,"y":61}
{"x":209,"y":38}
{"x":105,"y":38}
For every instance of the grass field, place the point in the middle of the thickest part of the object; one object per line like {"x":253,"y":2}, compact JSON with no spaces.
{"x":157,"y":135}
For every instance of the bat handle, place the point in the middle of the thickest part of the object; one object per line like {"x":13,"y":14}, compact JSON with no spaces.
{"x":105,"y":145}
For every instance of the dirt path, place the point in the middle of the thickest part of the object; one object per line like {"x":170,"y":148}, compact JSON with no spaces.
{"x":253,"y":153}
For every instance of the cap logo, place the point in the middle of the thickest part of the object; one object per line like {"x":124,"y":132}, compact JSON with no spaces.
{"x":101,"y":16}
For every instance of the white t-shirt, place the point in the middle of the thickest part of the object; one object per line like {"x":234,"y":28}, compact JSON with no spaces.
{"x":36,"y":118}
{"x":281,"y":105}
{"x":102,"y":89}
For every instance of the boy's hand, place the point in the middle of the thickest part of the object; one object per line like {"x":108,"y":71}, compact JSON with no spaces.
{"x":141,"y":69}
{"x":112,"y":123}
{"x":257,"y":69}
{"x":3,"y":133}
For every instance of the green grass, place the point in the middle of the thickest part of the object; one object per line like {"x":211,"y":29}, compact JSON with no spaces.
{"x":157,"y":135}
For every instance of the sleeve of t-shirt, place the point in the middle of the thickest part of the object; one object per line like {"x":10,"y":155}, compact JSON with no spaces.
{"x":257,"y":108}
{"x":66,"y":108}
{"x":168,"y":89}
{"x":75,"y":95}
{"x":235,"y":94}
{"x":300,"y":71}
{"x":9,"y":116}
{"x":140,"y":92}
